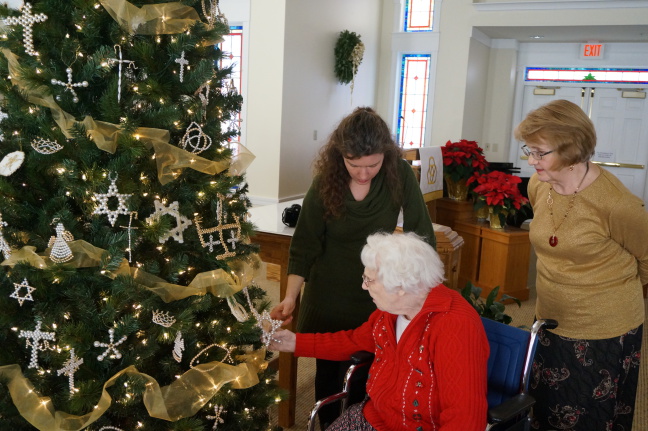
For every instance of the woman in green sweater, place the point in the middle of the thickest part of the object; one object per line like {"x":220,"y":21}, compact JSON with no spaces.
{"x":361,"y":185}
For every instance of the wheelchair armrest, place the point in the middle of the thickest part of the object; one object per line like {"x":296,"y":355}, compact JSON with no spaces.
{"x":546,"y":323}
{"x":361,"y":357}
{"x":510,"y":408}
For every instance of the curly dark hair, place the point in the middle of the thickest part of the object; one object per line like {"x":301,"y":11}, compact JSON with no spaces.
{"x":361,"y":133}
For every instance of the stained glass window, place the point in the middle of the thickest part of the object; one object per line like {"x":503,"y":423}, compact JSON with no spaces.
{"x":603,"y":75}
{"x":412,"y":109}
{"x":418,"y":15}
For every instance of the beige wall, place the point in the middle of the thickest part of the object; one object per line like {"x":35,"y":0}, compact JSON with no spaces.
{"x":475,"y":93}
{"x":294,"y":100}
{"x":452,"y":114}
{"x":265,"y":93}
{"x":313,"y":100}
{"x":500,"y":93}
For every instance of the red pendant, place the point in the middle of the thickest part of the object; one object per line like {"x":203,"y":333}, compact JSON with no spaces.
{"x":553,"y":240}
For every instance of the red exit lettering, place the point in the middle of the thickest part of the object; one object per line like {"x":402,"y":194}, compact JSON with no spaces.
{"x":592,"y":50}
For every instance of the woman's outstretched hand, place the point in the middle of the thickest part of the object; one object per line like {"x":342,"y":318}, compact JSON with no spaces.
{"x":284,"y":311}
{"x":283,"y":341}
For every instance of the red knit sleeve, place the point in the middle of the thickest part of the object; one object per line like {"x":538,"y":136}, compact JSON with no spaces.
{"x":461,"y":368}
{"x":336,"y":346}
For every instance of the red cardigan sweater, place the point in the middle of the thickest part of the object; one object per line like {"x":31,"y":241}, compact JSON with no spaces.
{"x":433,"y":379}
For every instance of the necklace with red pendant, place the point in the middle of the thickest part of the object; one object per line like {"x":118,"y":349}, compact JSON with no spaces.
{"x":553,"y":239}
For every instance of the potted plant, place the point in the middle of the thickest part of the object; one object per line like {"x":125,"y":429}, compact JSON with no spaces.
{"x":499,"y":191}
{"x":489,"y":308}
{"x":460,"y":161}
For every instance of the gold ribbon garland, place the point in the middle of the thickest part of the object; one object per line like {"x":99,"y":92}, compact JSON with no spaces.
{"x":218,"y":282}
{"x":161,"y":18}
{"x":185,"y":396}
{"x":182,"y":398}
{"x":170,"y":159}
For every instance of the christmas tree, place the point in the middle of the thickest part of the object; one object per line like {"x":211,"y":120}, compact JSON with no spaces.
{"x":129,"y":301}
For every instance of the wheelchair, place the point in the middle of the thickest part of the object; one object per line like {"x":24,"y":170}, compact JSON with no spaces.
{"x":509,"y":369}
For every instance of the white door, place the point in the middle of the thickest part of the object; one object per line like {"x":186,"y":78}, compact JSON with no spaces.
{"x":534,"y":98}
{"x":622,"y":135}
{"x":621,"y":127}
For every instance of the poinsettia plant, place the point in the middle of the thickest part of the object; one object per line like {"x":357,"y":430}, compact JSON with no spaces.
{"x":499,"y":191}
{"x":462,"y":159}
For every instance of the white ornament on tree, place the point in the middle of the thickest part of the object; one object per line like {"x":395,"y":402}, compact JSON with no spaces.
{"x":70,"y":367}
{"x":196,"y":139}
{"x":203,"y":95}
{"x":45,"y":146}
{"x":11,"y":162}
{"x":172,"y":210}
{"x":69,"y":86}
{"x":182,"y":61}
{"x":120,"y":61}
{"x":228,"y":354}
{"x":27,"y":20}
{"x":28,"y":295}
{"x":235,"y":232}
{"x":163,"y":318}
{"x":238,"y":311}
{"x":3,"y":116}
{"x":213,"y":14}
{"x":111,"y":346}
{"x":130,"y":240}
{"x":103,"y":202}
{"x":60,"y":252}
{"x":178,"y":347}
{"x":218,"y":411}
{"x":38,"y":341}
{"x":4,"y":245}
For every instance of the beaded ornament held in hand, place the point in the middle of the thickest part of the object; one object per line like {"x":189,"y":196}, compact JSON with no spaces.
{"x":267,"y":324}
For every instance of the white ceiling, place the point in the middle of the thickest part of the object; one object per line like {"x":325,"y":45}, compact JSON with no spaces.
{"x":579,"y":34}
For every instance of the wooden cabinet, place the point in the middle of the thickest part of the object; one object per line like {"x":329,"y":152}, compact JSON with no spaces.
{"x":494,"y":257}
{"x":448,"y":211}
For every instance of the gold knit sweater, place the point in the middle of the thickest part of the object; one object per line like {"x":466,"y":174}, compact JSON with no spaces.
{"x":591,"y":282}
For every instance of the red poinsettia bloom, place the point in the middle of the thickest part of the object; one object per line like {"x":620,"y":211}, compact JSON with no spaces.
{"x":462,"y":159}
{"x":499,"y":190}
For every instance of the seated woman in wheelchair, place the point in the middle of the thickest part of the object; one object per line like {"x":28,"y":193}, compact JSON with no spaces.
{"x":431,"y":352}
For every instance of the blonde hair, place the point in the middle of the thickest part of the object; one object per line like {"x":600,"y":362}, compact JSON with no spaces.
{"x":403,"y":260}
{"x":564,"y":127}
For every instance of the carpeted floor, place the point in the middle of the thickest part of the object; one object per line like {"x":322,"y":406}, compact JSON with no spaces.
{"x":522,"y":316}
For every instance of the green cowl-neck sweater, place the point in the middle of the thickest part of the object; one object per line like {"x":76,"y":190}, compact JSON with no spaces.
{"x":327,"y":253}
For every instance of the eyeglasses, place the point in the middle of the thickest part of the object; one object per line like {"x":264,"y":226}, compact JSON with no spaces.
{"x":536,"y":154}
{"x":366,"y":280}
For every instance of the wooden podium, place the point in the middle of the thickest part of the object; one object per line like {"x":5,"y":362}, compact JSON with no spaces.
{"x":494,"y":257}
{"x":448,"y":211}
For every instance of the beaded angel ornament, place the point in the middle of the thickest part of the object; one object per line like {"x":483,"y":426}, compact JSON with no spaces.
{"x":60,"y":252}
{"x":4,"y":246}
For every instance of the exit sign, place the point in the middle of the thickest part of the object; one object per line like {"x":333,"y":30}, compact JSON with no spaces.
{"x":591,"y":50}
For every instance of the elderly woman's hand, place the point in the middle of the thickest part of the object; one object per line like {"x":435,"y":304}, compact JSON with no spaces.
{"x":283,"y":341}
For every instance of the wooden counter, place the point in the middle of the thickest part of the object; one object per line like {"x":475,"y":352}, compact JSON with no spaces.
{"x":494,"y":257}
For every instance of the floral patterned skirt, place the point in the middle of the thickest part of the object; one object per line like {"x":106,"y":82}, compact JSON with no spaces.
{"x":585,"y":385}
{"x":352,"y":420}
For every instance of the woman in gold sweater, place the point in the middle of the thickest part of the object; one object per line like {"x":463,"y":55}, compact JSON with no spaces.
{"x":590,"y":234}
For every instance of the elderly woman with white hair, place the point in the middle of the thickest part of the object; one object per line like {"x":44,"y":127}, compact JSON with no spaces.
{"x":431,"y":351}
